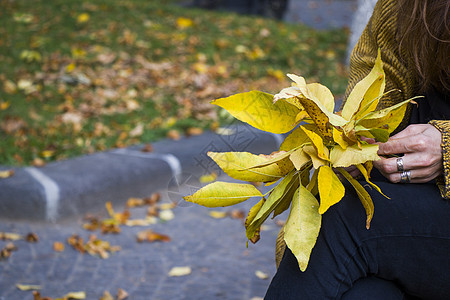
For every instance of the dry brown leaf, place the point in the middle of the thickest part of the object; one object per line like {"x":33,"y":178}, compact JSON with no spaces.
{"x":147,"y":148}
{"x":151,"y":236}
{"x":32,"y":238}
{"x":106,"y":296}
{"x":121,"y":294}
{"x":173,"y":134}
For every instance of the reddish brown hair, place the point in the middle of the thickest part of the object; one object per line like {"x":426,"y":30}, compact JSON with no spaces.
{"x":425,"y":36}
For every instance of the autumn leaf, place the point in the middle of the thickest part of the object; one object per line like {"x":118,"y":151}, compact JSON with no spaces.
{"x":151,"y":236}
{"x":257,"y":109}
{"x":223,"y":194}
{"x":179,"y":271}
{"x":331,"y":189}
{"x":302,"y":226}
{"x":28,"y":287}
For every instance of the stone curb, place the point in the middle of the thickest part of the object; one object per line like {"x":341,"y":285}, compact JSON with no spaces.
{"x":75,"y":186}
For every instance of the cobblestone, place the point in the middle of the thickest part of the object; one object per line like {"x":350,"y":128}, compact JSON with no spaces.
{"x":222,"y":267}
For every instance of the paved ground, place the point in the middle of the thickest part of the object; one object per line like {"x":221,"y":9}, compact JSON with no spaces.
{"x":222,"y":267}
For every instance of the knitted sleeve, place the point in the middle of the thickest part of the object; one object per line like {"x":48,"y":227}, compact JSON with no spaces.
{"x":444,"y":183}
{"x":381,"y":32}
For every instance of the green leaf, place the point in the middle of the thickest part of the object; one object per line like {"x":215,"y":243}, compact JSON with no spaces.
{"x":257,"y":109}
{"x":353,"y":155}
{"x":363,"y":195}
{"x":331,"y":189}
{"x":241,"y":166}
{"x":223,"y":194}
{"x":302,"y":226}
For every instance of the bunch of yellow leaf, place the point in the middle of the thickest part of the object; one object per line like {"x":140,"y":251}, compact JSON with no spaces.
{"x":305,"y":164}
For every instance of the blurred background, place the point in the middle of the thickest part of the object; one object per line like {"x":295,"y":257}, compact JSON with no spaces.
{"x":79,"y":77}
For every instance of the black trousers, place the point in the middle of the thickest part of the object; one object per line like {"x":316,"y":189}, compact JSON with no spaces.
{"x":405,"y":253}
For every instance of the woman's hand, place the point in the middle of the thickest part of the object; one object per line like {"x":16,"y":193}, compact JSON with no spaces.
{"x":421,"y":146}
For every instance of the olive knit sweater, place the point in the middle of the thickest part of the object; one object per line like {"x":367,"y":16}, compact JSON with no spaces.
{"x":381,"y":32}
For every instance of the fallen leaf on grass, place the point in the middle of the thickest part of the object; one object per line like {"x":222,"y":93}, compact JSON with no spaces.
{"x":180,"y":271}
{"x":28,"y":287}
{"x":151,"y":236}
{"x":7,"y":173}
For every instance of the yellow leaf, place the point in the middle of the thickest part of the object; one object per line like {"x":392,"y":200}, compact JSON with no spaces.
{"x":28,"y":287}
{"x":365,"y":173}
{"x":10,"y":236}
{"x":331,"y":189}
{"x":353,"y":155}
{"x":299,"y":158}
{"x":317,"y":142}
{"x":261,"y":275}
{"x":75,"y":295}
{"x":6,"y":173}
{"x":83,"y":18}
{"x":372,"y":85}
{"x":316,"y":160}
{"x":322,"y":94}
{"x":251,"y":216}
{"x":208,"y":177}
{"x":218,"y":214}
{"x":278,"y":194}
{"x":110,"y":209}
{"x":363,"y":195}
{"x":296,"y":138}
{"x":257,"y":109}
{"x":223,"y":194}
{"x":237,"y":165}
{"x":179,"y":271}
{"x":339,"y":139}
{"x":302,"y":226}
{"x":183,"y":23}
{"x":388,"y":118}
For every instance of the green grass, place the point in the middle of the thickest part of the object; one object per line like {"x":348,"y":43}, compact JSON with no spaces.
{"x":135,"y":70}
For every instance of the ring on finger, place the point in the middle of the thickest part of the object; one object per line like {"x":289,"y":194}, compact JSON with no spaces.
{"x":400,"y":166}
{"x":405,"y":177}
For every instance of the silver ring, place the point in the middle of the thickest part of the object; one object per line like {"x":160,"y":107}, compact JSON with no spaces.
{"x":405,"y":177}
{"x":400,"y":166}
